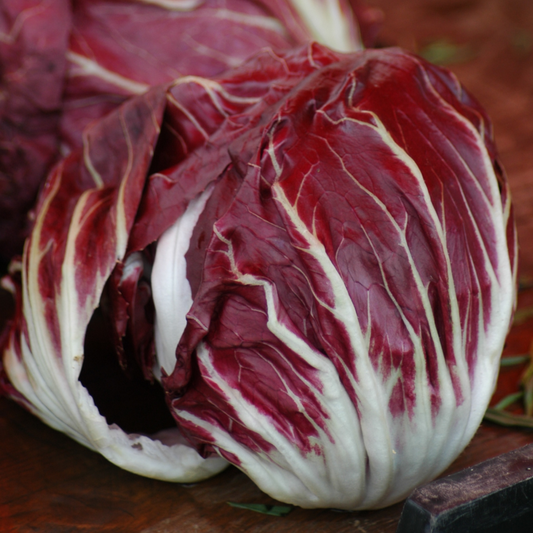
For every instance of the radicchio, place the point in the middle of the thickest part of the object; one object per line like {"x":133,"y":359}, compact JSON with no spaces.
{"x":121,"y":48}
{"x":33,"y":43}
{"x":65,"y":64}
{"x":333,"y":279}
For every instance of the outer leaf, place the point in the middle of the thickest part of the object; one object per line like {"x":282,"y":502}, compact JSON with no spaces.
{"x":120,"y":48}
{"x":211,"y":130}
{"x":81,"y":231}
{"x":33,"y":43}
{"x":210,"y":124}
{"x":344,"y":339}
{"x":330,"y":22}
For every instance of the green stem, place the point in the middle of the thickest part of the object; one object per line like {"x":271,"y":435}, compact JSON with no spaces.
{"x":508,"y":400}
{"x":272,"y":510}
{"x":507,"y":419}
{"x":515,"y":360}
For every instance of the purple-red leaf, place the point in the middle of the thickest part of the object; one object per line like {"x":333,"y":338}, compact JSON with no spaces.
{"x":356,"y":293}
{"x":332,"y":281}
{"x":33,"y":43}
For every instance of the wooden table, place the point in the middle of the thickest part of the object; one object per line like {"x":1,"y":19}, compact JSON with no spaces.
{"x":49,"y":483}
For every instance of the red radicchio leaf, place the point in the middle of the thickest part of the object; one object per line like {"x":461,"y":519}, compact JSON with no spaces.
{"x":333,"y":277}
{"x":33,"y":43}
{"x":74,"y":62}
{"x":120,"y":48}
{"x":343,"y":341}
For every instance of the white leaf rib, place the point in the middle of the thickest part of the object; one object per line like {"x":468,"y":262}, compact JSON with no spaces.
{"x":89,"y":67}
{"x":97,"y":178}
{"x":367,"y":389}
{"x":328,"y":24}
{"x":492,"y":207}
{"x":42,"y":362}
{"x":21,"y":18}
{"x":188,"y":114}
{"x":171,"y":290}
{"x":402,"y":156}
{"x":121,"y":223}
{"x":474,"y":134}
{"x":207,"y":51}
{"x":174,"y":5}
{"x":215,"y":89}
{"x":255,"y":21}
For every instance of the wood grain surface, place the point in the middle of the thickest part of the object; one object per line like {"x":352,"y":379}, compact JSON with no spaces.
{"x":50,"y":484}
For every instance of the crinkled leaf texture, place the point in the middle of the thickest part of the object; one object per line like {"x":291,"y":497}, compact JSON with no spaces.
{"x":333,"y":278}
{"x":68,"y":63}
{"x":120,"y":49}
{"x":344,"y":339}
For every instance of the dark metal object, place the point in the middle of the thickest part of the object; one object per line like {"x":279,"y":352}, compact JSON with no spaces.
{"x":492,"y":497}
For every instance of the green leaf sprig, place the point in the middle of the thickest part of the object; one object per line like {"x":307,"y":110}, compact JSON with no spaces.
{"x":498,"y":414}
{"x":272,"y":510}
